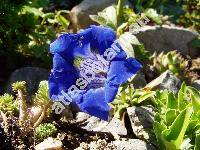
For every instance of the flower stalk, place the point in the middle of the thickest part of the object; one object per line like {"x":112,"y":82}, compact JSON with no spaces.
{"x":119,"y":11}
{"x":22,"y":106}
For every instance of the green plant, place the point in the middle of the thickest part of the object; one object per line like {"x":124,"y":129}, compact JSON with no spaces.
{"x":177,"y":121}
{"x":42,"y":102}
{"x":47,"y":24}
{"x":26,"y":30}
{"x":45,"y":130}
{"x":20,"y":88}
{"x":191,"y":15}
{"x":121,"y":18}
{"x":128,"y":96}
{"x":7,"y":104}
{"x":172,"y":61}
{"x":133,"y":47}
{"x":40,"y":107}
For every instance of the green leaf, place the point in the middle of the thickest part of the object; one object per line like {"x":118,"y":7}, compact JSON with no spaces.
{"x":152,"y":14}
{"x":158,"y":129}
{"x":197,"y":142}
{"x":195,"y":96}
{"x":170,"y":116}
{"x":172,"y":102}
{"x":119,"y":11}
{"x":100,"y":20}
{"x":176,"y":132}
{"x":146,"y":96}
{"x":126,"y":40}
{"x":111,"y":14}
{"x":33,"y":10}
{"x":181,"y":96}
{"x":107,"y":17}
{"x":64,"y":22}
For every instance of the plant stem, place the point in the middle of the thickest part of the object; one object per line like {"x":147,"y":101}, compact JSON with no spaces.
{"x":22,"y":106}
{"x":123,"y":96}
{"x":119,"y":11}
{"x":37,"y":123}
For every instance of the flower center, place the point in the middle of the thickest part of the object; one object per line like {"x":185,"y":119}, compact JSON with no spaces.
{"x":99,"y":68}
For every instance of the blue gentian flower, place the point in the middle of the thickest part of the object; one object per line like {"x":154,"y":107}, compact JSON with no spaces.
{"x":73,"y":52}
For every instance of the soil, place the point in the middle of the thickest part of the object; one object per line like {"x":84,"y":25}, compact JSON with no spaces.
{"x":71,"y":135}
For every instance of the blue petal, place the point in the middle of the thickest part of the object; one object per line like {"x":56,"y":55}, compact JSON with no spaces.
{"x":103,"y":38}
{"x":120,"y":71}
{"x":71,"y":46}
{"x":62,"y":77}
{"x":61,"y":44}
{"x":94,"y":104}
{"x":110,"y":91}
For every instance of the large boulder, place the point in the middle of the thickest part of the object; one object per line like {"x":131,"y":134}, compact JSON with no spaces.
{"x":79,"y":15}
{"x":167,"y":38}
{"x":32,"y":76}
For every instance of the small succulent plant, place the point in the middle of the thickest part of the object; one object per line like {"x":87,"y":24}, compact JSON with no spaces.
{"x":7,"y":104}
{"x":30,"y":116}
{"x":33,"y":114}
{"x":172,"y":61}
{"x":128,"y":97}
{"x":42,"y":102}
{"x":45,"y":130}
{"x":20,"y":89}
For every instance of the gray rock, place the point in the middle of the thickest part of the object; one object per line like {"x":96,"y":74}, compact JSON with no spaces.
{"x":91,"y":123}
{"x":139,"y":80}
{"x":132,"y":144}
{"x":96,"y":145}
{"x":32,"y":76}
{"x":79,"y":15}
{"x":123,"y":144}
{"x":196,"y":84}
{"x":141,"y":119}
{"x":165,"y":81}
{"x":167,"y":38}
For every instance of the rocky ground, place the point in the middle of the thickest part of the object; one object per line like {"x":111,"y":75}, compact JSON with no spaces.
{"x":84,"y":132}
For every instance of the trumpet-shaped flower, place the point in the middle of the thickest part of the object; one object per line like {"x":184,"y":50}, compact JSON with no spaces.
{"x":88,"y":68}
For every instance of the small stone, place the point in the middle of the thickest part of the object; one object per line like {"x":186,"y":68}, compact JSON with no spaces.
{"x":165,"y":81}
{"x":116,"y":127}
{"x":81,"y":116}
{"x":132,"y":144}
{"x":139,"y":80}
{"x":141,"y":119}
{"x":96,"y":145}
{"x":49,"y":144}
{"x":91,"y":123}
